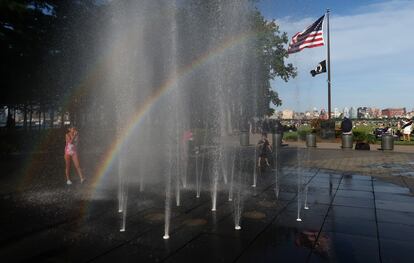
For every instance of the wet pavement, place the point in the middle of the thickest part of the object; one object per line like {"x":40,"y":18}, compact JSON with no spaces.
{"x":354,"y":215}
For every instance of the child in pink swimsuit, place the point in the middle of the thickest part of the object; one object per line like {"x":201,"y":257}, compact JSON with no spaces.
{"x":69,"y":149}
{"x":71,"y":153}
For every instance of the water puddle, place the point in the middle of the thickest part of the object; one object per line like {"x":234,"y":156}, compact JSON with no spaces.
{"x":397,"y":169}
{"x":254,"y":215}
{"x":411,"y":174}
{"x":155,"y":217}
{"x":195,"y":222}
{"x":267,"y":204}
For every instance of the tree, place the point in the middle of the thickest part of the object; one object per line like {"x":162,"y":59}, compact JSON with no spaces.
{"x":271,"y":53}
{"x":47,"y":45}
{"x":51,"y":46}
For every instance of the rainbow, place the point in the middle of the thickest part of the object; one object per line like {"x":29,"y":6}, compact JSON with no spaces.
{"x":134,"y":122}
{"x":138,"y":116}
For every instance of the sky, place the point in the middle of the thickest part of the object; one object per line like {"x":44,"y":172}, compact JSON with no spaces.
{"x":372,"y":53}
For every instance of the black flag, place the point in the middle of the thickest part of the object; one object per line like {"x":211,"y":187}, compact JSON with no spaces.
{"x":408,"y":123}
{"x":319,"y":69}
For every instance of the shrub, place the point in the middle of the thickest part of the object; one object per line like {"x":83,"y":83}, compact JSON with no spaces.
{"x":316,"y":125}
{"x":302,"y":131}
{"x":290,"y":136}
{"x":359,"y":136}
{"x":364,"y":136}
{"x":338,"y":133}
{"x":370,"y":138}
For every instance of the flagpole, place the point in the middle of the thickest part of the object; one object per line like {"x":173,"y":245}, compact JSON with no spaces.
{"x":328,"y":65}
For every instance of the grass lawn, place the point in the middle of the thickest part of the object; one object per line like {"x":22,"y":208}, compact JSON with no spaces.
{"x":404,"y":142}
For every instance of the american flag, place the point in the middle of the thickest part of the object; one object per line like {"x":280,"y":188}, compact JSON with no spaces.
{"x":311,"y":37}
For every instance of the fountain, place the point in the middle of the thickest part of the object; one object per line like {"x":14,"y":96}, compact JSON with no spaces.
{"x":306,"y":207}
{"x":233,"y":168}
{"x":277,"y":170}
{"x":255,"y":167}
{"x":177,"y":66}
{"x":238,"y":198}
{"x":299,"y":186}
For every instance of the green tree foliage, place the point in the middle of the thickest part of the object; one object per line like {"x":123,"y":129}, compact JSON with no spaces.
{"x":46,"y":47}
{"x":272,"y":54}
{"x":50,"y":50}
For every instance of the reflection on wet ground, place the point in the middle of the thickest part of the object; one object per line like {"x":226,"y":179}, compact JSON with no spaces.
{"x":351,"y":218}
{"x":319,"y":242}
{"x":395,"y":169}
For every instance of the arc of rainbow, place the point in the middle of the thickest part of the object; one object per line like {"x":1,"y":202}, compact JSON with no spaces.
{"x":138,"y":116}
{"x":89,"y":80}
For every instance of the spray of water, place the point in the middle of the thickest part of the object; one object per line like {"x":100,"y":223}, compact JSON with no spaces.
{"x":195,"y":68}
{"x":255,"y":167}
{"x":233,"y":168}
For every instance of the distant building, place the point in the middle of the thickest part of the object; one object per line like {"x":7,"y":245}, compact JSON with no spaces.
{"x":375,"y":113}
{"x":353,"y":113}
{"x":323,"y":115}
{"x":336,"y":113}
{"x":287,"y":114}
{"x":298,"y":115}
{"x":314,"y":113}
{"x":363,"y":112}
{"x":393,"y":112}
{"x":278,"y":114}
{"x":345,"y":112}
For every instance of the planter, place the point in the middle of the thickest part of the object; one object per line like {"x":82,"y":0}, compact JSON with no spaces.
{"x":387,"y":142}
{"x":244,"y":138}
{"x":347,"y":141}
{"x":310,"y":140}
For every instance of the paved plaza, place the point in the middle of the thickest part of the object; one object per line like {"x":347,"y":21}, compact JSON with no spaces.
{"x":184,"y":131}
{"x":360,"y":204}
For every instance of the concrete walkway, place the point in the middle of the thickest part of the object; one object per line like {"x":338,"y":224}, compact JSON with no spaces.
{"x":361,"y":209}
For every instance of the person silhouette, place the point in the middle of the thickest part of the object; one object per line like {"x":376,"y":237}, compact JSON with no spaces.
{"x":265,"y":149}
{"x":407,"y":128}
{"x":71,"y":153}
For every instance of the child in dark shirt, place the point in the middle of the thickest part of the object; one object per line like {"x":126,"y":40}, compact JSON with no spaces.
{"x":264,"y":149}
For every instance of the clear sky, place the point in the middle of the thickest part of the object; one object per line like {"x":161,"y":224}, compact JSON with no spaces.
{"x":372,"y":53}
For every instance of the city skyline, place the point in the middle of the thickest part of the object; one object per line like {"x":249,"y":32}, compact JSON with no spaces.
{"x":361,"y":112}
{"x":368,"y":66}
{"x":341,"y":108}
